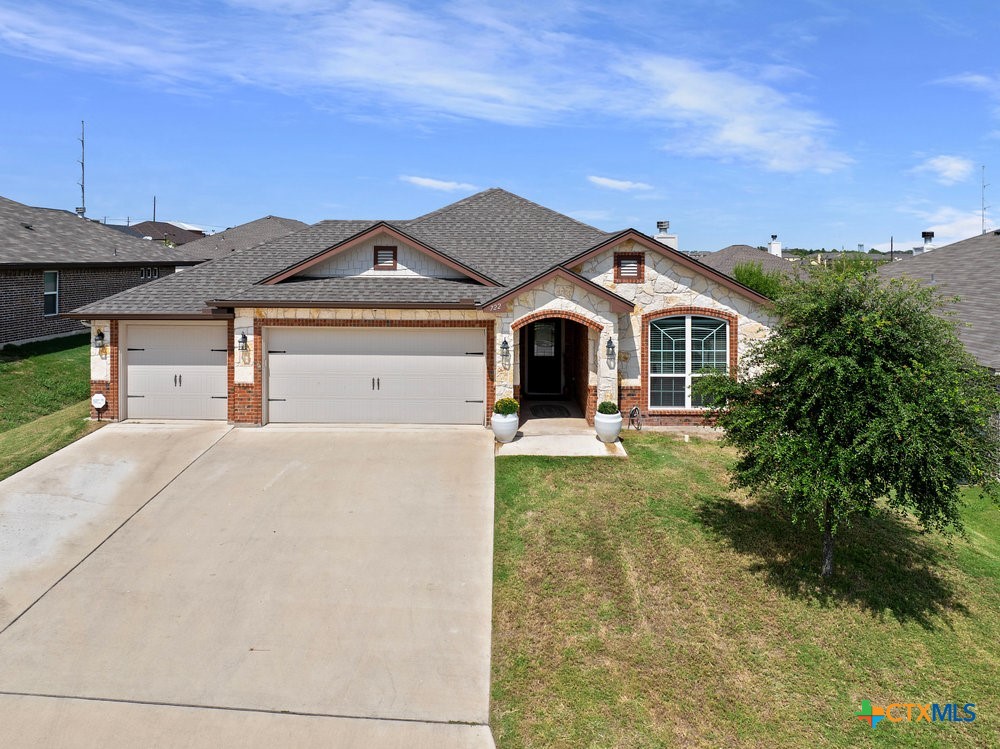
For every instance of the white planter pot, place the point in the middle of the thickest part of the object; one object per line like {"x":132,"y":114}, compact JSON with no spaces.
{"x":608,"y":426}
{"x":504,"y":427}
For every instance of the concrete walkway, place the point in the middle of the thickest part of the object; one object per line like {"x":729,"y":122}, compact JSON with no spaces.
{"x":569,"y":436}
{"x":296,"y":587}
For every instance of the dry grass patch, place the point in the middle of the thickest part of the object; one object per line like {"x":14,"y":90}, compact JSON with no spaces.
{"x":640,"y":603}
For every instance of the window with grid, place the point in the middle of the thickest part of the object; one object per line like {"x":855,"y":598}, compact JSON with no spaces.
{"x":50,"y":282}
{"x":681,"y":349}
{"x":385,"y":258}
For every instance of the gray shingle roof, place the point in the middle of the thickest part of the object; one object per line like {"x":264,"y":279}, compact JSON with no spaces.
{"x":498,"y":234}
{"x":50,"y":237}
{"x":969,"y":269}
{"x":241,"y":237}
{"x":367,"y":290}
{"x":726,"y":259}
{"x":161,"y":230}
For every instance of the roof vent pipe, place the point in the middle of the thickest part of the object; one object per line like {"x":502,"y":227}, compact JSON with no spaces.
{"x":663,"y":237}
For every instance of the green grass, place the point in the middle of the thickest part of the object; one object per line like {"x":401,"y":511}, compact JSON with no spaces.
{"x":28,"y":443}
{"x":44,"y":399}
{"x":641,"y":603}
{"x":40,"y":378}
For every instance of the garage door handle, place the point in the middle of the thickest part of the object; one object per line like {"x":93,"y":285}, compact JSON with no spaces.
{"x":373,"y":383}
{"x":175,"y":380}
{"x":180,"y":380}
{"x":379,"y":382}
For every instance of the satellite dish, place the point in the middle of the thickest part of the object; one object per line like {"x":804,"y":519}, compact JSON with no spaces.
{"x":98,"y":401}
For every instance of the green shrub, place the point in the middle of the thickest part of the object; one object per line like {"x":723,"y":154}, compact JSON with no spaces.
{"x":607,"y":407}
{"x":506,"y":407}
{"x":769,"y":283}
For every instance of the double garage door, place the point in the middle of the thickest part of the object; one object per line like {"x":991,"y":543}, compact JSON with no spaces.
{"x":376,"y":375}
{"x":319,"y":375}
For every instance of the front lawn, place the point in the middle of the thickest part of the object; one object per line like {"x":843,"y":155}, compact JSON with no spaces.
{"x":641,"y":603}
{"x":39,"y":378}
{"x":44,"y":399}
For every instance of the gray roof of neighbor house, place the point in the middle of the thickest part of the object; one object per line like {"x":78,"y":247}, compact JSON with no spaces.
{"x":970,"y":270}
{"x":726,"y":259}
{"x":494,"y":235}
{"x":160,"y":231}
{"x":241,"y":237}
{"x":33,"y":237}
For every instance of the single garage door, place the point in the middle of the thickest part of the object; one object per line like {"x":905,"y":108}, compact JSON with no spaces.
{"x":176,"y":371}
{"x":377,"y":375}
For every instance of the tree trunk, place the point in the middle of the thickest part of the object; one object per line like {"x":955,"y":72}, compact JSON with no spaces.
{"x":827,"y":540}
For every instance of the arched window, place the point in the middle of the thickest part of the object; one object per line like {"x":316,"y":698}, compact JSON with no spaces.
{"x":681,"y":348}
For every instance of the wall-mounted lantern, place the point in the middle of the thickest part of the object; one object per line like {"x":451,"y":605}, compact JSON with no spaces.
{"x":99,"y":339}
{"x":505,"y":353}
{"x":243,"y":345}
{"x":611,"y":348}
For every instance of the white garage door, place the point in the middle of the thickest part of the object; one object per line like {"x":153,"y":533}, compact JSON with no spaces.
{"x":377,"y":375}
{"x":176,"y":371}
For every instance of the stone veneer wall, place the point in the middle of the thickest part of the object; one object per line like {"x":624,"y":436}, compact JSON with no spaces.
{"x":669,"y":288}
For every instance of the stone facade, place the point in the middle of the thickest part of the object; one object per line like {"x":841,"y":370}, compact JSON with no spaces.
{"x":665,"y":287}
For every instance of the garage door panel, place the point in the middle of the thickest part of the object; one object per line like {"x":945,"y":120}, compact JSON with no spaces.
{"x":362,"y":375}
{"x":177,"y":371}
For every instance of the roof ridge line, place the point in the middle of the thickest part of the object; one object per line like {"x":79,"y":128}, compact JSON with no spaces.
{"x":463,"y":201}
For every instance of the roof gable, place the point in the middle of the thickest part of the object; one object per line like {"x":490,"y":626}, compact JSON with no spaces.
{"x":381,"y":227}
{"x":679,"y":257}
{"x":618,"y":304}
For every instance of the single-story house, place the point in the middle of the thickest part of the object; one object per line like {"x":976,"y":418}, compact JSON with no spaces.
{"x":167,"y":233}
{"x":726,"y":259}
{"x":53,"y":261}
{"x":426,"y":320}
{"x":969,"y":270}
{"x":241,"y":237}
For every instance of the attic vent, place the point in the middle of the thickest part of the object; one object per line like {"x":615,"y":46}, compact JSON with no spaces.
{"x":385,"y":258}
{"x":29,"y":227}
{"x":629,"y":267}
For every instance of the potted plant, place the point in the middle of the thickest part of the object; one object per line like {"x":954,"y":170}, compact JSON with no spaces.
{"x":505,"y":419}
{"x":608,"y":421}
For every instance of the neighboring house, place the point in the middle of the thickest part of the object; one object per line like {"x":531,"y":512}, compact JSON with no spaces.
{"x":969,"y":270}
{"x":53,"y":261}
{"x":428,"y":320}
{"x":166,"y":233}
{"x":241,"y":237}
{"x":126,"y":230}
{"x":726,"y":259}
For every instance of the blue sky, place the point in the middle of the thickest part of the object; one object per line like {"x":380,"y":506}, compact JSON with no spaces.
{"x":830,"y":123}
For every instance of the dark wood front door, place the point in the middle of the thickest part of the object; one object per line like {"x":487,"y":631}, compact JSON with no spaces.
{"x":544,"y":359}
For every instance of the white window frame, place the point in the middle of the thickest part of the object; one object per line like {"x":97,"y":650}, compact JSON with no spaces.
{"x":46,"y":294}
{"x":688,"y":375}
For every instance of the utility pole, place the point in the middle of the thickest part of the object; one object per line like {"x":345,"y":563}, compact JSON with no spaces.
{"x":82,"y":210}
{"x":154,"y":208}
{"x":985,"y":185}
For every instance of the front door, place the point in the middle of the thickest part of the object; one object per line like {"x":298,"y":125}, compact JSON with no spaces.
{"x":544,"y":359}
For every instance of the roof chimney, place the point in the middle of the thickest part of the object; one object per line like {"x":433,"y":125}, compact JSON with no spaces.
{"x":670,"y":240}
{"x":928,"y":245}
{"x":774,"y":246}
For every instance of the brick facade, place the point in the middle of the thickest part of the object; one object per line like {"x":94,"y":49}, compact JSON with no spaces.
{"x":108,"y":388}
{"x":22,"y":313}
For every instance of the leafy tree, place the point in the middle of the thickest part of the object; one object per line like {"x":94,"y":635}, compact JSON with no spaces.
{"x":862,"y":399}
{"x":752,"y":274}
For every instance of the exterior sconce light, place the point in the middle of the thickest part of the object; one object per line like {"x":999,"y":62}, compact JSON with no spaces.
{"x":99,"y":339}
{"x":611,"y":349}
{"x":505,"y":353}
{"x":243,"y":345}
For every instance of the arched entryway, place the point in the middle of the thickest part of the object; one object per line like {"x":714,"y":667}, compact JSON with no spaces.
{"x":554,"y":355}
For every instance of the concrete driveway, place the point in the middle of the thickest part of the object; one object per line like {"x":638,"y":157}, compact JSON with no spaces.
{"x":196,"y":585}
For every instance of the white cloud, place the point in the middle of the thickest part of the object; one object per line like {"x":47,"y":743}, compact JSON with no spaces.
{"x":437,"y":184}
{"x":623,"y":185}
{"x":948,"y":223}
{"x":476,"y":60}
{"x":987,"y":84}
{"x":948,"y":170}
